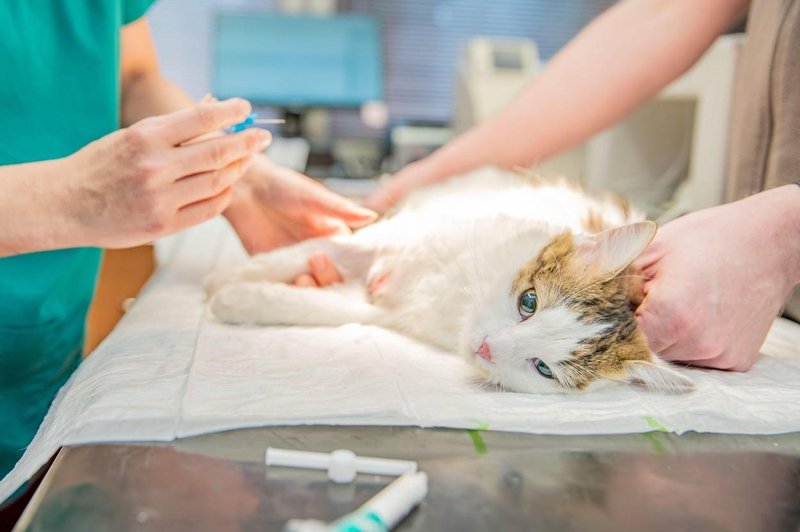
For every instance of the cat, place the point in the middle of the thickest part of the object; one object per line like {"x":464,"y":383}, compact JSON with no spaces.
{"x":530,"y":280}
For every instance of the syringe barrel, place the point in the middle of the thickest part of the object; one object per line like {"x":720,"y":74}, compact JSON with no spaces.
{"x":384,"y":466}
{"x":396,"y":500}
{"x":304,"y":459}
{"x":363,"y":464}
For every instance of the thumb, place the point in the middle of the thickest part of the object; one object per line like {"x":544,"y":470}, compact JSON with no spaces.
{"x":399,"y":185}
{"x":332,"y":205}
{"x":657,"y":324}
{"x":379,"y":202}
{"x":386,"y":196}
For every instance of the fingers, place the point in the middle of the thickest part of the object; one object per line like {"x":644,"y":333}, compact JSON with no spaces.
{"x":203,"y":118}
{"x":206,"y":185}
{"x":662,"y":330}
{"x":649,"y":257}
{"x":385,"y":197}
{"x":730,"y":350}
{"x":217,"y":153}
{"x":333,"y":205}
{"x":305,"y":280}
{"x":722,"y":362}
{"x":322,"y":272}
{"x":203,"y":210}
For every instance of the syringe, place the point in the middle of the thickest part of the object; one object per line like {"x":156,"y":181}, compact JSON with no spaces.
{"x":381,"y":513}
{"x":251,"y":121}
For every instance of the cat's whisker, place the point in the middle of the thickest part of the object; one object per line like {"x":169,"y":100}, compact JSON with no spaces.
{"x":577,"y":374}
{"x":587,"y":287}
{"x":590,"y":372}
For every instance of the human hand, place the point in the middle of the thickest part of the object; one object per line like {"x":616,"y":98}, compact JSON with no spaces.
{"x":392,"y":191}
{"x":141,"y":183}
{"x":274,"y":206}
{"x":716,"y":279}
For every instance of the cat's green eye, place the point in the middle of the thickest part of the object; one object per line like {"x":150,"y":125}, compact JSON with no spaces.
{"x":543,"y":369}
{"x":527,"y":303}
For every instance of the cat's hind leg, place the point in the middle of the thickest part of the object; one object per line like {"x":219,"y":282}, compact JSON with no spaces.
{"x":352,"y":259}
{"x":282,"y":304}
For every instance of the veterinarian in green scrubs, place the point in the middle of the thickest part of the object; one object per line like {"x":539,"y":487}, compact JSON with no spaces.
{"x":58,"y":92}
{"x":71,"y":72}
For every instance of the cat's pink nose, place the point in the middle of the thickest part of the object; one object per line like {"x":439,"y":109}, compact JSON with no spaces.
{"x":484,"y":352}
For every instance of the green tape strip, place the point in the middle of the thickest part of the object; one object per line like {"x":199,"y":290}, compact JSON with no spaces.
{"x":655,"y":425}
{"x":654,"y":439}
{"x":477,"y":441}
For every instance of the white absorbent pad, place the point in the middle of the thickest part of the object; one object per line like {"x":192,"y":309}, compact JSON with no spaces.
{"x":168,"y":371}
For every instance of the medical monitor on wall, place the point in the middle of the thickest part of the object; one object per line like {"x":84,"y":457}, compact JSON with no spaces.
{"x":297,"y":61}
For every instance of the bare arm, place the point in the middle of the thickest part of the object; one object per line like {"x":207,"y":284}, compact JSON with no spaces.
{"x":616,"y":63}
{"x":145,"y":92}
{"x":32,"y":216}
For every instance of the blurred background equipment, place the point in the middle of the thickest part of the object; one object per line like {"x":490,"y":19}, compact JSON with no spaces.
{"x":671,"y":155}
{"x":419,"y":45}
{"x":297,"y":61}
{"x":301,"y":66}
{"x":491,"y":73}
{"x":367,"y":87}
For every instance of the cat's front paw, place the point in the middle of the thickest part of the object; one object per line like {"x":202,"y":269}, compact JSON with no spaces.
{"x":235,"y":303}
{"x":227,"y":275}
{"x":213,"y":282}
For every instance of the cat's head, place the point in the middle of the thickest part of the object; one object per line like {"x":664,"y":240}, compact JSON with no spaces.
{"x":565,"y":320}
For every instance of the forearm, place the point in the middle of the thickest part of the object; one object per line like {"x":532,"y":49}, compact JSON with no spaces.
{"x":34,"y":214}
{"x":617,"y":62}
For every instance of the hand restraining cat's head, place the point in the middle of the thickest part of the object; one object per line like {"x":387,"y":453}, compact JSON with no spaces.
{"x":565,"y":320}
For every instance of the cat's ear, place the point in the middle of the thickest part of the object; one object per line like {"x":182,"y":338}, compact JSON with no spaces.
{"x":608,"y":253}
{"x":657,"y":376}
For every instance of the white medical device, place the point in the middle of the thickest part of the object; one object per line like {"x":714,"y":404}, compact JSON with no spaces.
{"x":490,"y":74}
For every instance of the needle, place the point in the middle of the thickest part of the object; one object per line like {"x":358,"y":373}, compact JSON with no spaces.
{"x":251,"y":121}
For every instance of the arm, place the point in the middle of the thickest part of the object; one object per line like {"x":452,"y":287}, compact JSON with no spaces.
{"x":270,"y":206}
{"x":616,"y":63}
{"x":31,"y":215}
{"x":145,"y":92}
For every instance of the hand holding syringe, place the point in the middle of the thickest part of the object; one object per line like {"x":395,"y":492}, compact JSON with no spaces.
{"x":252,"y":119}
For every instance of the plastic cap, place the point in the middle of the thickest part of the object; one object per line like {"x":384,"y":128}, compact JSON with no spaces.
{"x":342,"y":467}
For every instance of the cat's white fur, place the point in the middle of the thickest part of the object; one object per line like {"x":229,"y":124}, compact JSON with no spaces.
{"x":441,"y":270}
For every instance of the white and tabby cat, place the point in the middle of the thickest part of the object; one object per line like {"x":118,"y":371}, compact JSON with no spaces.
{"x":531,"y":281}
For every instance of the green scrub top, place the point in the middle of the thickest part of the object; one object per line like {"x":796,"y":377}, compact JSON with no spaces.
{"x":59,"y":90}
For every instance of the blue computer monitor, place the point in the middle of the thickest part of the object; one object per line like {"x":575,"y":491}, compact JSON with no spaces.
{"x":298,"y":61}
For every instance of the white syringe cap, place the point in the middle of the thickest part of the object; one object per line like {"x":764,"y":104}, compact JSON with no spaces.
{"x":342,"y":466}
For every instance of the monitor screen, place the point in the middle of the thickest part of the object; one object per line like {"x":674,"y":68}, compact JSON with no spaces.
{"x":298,"y":60}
